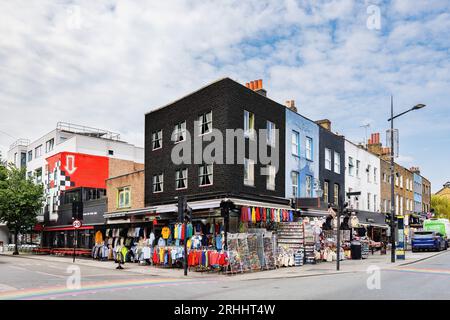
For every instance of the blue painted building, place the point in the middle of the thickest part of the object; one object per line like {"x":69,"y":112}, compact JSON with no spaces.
{"x":302,"y":156}
{"x":417,"y":191}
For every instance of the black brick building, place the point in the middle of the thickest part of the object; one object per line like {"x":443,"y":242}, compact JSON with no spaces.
{"x":331,"y":164}
{"x":226,"y":100}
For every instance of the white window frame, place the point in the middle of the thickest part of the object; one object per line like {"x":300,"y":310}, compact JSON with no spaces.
{"x":326,"y":192}
{"x":337,"y":162}
{"x":368,"y":173}
{"x":182,"y":177}
{"x":308,"y":188}
{"x":375,"y":174}
{"x":328,"y":159}
{"x":270,"y":182}
{"x":368,"y":200}
{"x":158,"y":179}
{"x":336,"y":194}
{"x":49,"y":145}
{"x":351,"y":167}
{"x":249,"y":125}
{"x":294,"y":181}
{"x":157,"y":135}
{"x":358,"y":166}
{"x":36,"y":153}
{"x":180,"y":132}
{"x":309,"y":148}
{"x":124,"y":193}
{"x":249,"y":172}
{"x":295,"y":143}
{"x":201,"y":174}
{"x":204,"y":121}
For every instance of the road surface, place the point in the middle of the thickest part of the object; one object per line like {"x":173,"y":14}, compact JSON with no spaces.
{"x":24,"y":278}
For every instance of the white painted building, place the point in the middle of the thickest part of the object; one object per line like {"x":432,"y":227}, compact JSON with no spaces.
{"x":68,"y":138}
{"x":362,"y":174}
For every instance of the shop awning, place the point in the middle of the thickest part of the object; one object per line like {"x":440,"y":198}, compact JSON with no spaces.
{"x":205,"y":204}
{"x":251,"y":203}
{"x":153,"y":210}
{"x":314,"y":213}
{"x":368,"y":218}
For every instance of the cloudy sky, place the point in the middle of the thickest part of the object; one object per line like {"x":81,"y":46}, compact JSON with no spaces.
{"x":106,"y":63}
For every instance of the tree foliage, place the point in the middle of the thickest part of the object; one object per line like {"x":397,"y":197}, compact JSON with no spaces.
{"x":441,"y":206}
{"x":21,"y":200}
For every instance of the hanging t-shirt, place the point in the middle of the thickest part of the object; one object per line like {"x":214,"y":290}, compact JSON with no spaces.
{"x":165,"y":232}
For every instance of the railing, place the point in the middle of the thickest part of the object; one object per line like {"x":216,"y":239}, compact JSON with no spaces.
{"x":19,"y":142}
{"x":88,"y":131}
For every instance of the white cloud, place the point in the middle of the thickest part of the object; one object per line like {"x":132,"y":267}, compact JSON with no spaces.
{"x":129,"y":57}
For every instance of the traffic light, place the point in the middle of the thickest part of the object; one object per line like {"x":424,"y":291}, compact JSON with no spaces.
{"x":188,"y":213}
{"x":182,"y":204}
{"x":225,"y":207}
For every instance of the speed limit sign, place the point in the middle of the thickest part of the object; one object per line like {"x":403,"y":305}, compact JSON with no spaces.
{"x":77,"y":224}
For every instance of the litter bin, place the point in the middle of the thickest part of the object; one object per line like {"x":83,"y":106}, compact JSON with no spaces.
{"x":356,"y":250}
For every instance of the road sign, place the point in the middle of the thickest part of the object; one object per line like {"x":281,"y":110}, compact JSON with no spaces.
{"x":77,"y":224}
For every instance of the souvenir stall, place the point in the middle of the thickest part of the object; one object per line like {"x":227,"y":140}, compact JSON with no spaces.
{"x":291,"y":244}
{"x":124,"y":242}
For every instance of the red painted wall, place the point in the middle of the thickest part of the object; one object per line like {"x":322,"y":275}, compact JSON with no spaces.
{"x":84,"y":170}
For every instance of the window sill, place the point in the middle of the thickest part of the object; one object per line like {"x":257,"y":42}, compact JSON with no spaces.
{"x":205,"y":185}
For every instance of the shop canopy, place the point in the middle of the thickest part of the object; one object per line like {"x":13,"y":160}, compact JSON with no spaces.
{"x":251,"y":203}
{"x":195,"y":205}
{"x":373,"y":219}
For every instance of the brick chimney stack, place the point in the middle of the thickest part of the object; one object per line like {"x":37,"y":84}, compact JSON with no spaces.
{"x":257,"y":86}
{"x":291,"y":105}
{"x":374,"y":145}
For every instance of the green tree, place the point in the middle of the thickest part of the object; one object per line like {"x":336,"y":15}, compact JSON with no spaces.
{"x":20,"y":201}
{"x":441,"y":206}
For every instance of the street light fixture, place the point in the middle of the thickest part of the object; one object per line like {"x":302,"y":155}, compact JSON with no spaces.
{"x":391,"y":119}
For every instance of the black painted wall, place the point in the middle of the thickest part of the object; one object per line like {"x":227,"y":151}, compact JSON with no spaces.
{"x":329,"y":140}
{"x":227,"y":99}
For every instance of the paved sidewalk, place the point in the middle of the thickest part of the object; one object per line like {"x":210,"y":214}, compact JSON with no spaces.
{"x":320,"y":269}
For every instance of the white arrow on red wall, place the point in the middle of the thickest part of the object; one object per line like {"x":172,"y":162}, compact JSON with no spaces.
{"x":70,"y":164}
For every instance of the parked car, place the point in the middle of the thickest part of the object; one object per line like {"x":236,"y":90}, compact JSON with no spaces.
{"x":428,"y":240}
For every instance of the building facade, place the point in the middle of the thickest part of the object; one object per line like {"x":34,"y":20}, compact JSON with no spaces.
{"x":223,"y":105}
{"x":331,"y":165}
{"x":302,"y":156}
{"x":73,"y":163}
{"x":362,"y":174}
{"x":426,"y":195}
{"x":418,"y":190}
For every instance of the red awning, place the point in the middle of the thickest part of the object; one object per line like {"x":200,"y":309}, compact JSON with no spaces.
{"x":67,"y":228}
{"x":38,"y":227}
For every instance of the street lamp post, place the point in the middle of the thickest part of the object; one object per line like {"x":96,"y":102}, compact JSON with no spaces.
{"x":391,"y":119}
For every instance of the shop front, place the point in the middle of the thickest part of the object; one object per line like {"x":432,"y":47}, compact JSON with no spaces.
{"x":58,"y":236}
